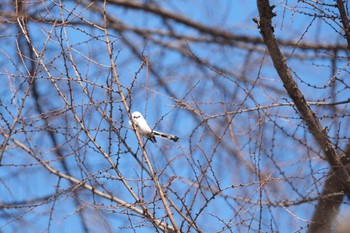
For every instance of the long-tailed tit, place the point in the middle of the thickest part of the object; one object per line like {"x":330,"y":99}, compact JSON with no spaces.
{"x":145,"y":131}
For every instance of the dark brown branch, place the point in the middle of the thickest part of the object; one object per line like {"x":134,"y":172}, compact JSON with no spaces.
{"x":266,"y":14}
{"x":341,"y":177}
{"x":344,"y":20}
{"x":217,"y":35}
{"x":327,"y":209}
{"x":221,"y":35}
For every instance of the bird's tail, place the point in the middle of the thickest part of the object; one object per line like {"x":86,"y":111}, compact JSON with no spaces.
{"x":166,"y":136}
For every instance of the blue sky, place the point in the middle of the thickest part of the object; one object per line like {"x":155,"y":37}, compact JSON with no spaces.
{"x":270,"y":141}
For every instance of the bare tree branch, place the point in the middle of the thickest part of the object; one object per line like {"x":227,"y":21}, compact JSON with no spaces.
{"x":266,"y":14}
{"x":261,"y":143}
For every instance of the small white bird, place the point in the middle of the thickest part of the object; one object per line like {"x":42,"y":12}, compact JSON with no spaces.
{"x":145,"y":131}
